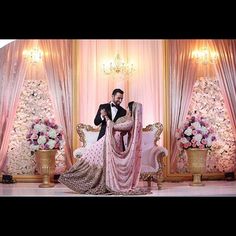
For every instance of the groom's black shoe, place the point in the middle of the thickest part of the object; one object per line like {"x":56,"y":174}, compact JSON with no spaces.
{"x":56,"y":177}
{"x":8,"y":179}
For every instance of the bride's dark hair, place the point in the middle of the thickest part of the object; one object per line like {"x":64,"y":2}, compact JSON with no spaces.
{"x":130,"y":106}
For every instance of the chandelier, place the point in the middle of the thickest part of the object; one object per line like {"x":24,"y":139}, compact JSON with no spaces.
{"x":118,"y":66}
{"x":33,"y":56}
{"x":205,"y":56}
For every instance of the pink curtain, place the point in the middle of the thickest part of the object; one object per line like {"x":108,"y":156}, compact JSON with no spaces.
{"x":58,"y":66}
{"x":226,"y":69}
{"x":145,"y":85}
{"x":12,"y":74}
{"x":182,"y":76}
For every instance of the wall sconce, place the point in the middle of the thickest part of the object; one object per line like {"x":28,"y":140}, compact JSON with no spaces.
{"x":205,"y":56}
{"x":118,"y":66}
{"x":33,"y":56}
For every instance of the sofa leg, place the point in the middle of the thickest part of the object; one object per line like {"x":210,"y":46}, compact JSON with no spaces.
{"x":159,"y":174}
{"x":159,"y":179}
{"x":149,"y":182}
{"x":159,"y":185}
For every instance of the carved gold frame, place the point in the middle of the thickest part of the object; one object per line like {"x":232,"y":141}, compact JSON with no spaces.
{"x":150,"y":127}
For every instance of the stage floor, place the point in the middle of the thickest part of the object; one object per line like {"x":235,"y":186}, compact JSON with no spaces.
{"x":170,"y":189}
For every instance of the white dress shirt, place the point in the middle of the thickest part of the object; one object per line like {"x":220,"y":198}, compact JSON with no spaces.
{"x":113,"y":111}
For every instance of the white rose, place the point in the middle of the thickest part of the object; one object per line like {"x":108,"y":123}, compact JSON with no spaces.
{"x":52,"y":133}
{"x":198,"y":137}
{"x":196,"y":125}
{"x":188,"y":131}
{"x":42,"y":139}
{"x":40,"y":128}
{"x":37,"y":127}
{"x":204,"y":130}
{"x":198,"y":144}
{"x":34,"y":147}
{"x":51,"y":143}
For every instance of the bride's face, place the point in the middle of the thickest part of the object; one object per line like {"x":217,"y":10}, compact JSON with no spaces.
{"x":128,"y":111}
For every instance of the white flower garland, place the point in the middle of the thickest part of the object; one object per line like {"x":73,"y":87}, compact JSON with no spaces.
{"x":34,"y":102}
{"x":207,"y":101}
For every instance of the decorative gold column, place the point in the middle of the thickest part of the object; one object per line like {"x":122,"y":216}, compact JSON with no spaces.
{"x":166,"y":130}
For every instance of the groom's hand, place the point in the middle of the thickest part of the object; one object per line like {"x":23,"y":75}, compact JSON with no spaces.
{"x":103,"y":113}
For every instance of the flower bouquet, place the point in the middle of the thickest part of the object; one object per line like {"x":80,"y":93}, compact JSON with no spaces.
{"x":45,"y":134}
{"x":45,"y":138}
{"x":196,"y":137}
{"x":195,"y":133}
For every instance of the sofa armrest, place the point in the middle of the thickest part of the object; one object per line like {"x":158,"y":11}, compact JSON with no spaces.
{"x":81,"y":128}
{"x":158,"y":127}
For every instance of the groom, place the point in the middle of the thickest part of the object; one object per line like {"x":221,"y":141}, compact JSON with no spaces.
{"x":112,"y":109}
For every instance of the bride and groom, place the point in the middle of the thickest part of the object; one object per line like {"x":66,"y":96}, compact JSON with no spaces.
{"x":107,"y":167}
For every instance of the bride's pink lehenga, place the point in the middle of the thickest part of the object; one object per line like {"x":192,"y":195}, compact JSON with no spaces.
{"x":105,"y":168}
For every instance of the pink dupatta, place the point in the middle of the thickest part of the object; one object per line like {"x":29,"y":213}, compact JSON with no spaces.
{"x":122,"y":168}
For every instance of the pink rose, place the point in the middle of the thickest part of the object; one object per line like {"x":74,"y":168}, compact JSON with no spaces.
{"x":178,"y":130}
{"x":211,"y":130}
{"x":36,"y":120}
{"x":193,"y":141}
{"x":194,"y":132}
{"x":204,"y":141}
{"x":201,"y":146}
{"x":42,"y":147}
{"x":186,"y":145}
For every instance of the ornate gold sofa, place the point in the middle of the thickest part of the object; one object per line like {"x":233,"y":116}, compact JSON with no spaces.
{"x":151,"y":170}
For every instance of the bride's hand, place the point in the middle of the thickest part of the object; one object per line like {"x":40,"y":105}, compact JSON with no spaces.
{"x":107,"y":118}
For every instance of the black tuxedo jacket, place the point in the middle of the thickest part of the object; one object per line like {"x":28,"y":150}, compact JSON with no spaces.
{"x":98,"y":120}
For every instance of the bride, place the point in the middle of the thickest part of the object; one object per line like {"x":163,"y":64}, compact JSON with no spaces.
{"x":105,"y":168}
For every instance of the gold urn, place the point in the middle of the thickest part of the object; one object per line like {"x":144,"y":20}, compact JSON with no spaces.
{"x":197,"y":164}
{"x":46,"y":165}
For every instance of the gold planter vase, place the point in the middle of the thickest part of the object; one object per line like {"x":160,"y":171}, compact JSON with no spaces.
{"x":197,"y":164}
{"x":46,"y":165}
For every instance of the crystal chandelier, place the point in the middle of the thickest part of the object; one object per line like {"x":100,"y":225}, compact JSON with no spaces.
{"x":118,"y":67}
{"x":205,"y":56}
{"x":33,"y":56}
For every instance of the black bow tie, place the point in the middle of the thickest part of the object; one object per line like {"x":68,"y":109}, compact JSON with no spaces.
{"x":113,"y":105}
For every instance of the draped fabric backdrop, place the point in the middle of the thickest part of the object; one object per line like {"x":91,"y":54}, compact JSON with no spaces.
{"x":226,"y":69}
{"x":182,"y":76}
{"x":12,"y":74}
{"x":58,"y":66}
{"x":144,"y":86}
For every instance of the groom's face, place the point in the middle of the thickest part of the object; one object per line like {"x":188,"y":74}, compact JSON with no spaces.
{"x":117,"y":98}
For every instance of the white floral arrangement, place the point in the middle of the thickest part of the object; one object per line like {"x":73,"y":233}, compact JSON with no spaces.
{"x":34,"y":102}
{"x":45,"y":134}
{"x":195,"y":133}
{"x":208,"y":102}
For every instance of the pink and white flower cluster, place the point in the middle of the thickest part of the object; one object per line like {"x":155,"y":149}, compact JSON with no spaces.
{"x":195,"y":133}
{"x":45,"y":134}
{"x":226,"y":164}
